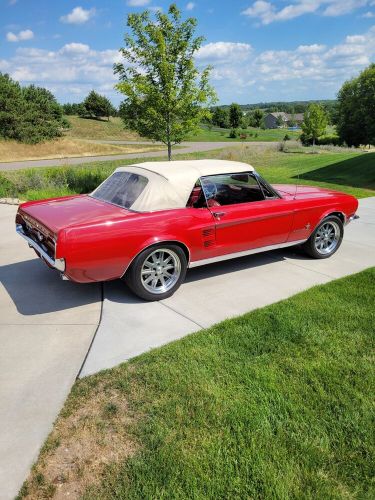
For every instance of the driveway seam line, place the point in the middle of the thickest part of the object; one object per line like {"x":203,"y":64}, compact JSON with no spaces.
{"x":312,"y":270}
{"x":96,"y":331}
{"x":182,"y":315}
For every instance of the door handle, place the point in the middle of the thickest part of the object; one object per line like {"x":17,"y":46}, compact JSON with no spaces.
{"x":218,"y":214}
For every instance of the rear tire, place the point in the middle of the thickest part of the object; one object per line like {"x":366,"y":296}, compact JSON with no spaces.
{"x":157,"y":272}
{"x":326,"y":239}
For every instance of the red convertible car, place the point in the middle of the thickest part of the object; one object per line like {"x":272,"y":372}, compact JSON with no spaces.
{"x":148,"y":223}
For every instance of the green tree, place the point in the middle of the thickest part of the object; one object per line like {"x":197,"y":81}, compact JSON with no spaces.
{"x":257,"y":117}
{"x":28,"y":114}
{"x":165,"y":94}
{"x":96,"y":106}
{"x":235,"y":115}
{"x":314,"y":122}
{"x":220,"y":117}
{"x":355,"y":114}
{"x":279,"y":121}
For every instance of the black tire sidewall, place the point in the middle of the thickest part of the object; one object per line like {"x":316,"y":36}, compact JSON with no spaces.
{"x":132,"y":276}
{"x":309,"y":246}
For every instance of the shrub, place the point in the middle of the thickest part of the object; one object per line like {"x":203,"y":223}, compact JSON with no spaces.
{"x":233,"y":133}
{"x":333,"y":140}
{"x":286,"y":137}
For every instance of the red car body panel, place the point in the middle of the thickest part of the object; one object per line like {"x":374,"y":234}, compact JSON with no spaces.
{"x":99,"y":241}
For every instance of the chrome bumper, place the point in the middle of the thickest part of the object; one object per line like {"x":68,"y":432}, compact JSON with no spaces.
{"x":353,"y":217}
{"x":58,"y":264}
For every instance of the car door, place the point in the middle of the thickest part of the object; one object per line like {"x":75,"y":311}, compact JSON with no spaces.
{"x":246,"y":215}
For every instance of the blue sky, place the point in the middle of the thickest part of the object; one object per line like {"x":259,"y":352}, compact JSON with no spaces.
{"x":261,"y":50}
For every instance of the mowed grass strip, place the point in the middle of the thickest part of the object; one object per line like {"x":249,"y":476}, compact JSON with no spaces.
{"x":216,"y":134}
{"x":350,"y":172}
{"x":278,"y":403}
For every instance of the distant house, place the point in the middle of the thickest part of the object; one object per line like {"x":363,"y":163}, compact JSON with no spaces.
{"x":280,"y":119}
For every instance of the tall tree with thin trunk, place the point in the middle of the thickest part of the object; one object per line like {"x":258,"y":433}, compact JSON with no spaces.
{"x":166,"y":96}
{"x":235,"y":115}
{"x":314,"y":122}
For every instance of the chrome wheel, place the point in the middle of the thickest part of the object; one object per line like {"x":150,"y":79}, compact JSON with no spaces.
{"x":327,"y":237}
{"x":160,"y":271}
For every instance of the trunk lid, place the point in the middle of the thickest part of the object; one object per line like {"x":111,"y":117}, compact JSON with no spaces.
{"x":61,"y":213}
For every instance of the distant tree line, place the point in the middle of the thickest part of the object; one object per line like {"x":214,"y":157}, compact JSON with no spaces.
{"x":28,"y":114}
{"x":292,"y":107}
{"x":93,"y":106}
{"x":234,"y":117}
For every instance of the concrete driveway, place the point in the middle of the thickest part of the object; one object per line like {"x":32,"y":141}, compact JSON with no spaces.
{"x":212,"y":293}
{"x":48,"y":325}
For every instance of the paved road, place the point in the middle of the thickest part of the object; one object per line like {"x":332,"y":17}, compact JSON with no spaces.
{"x":185,"y":147}
{"x":212,"y":293}
{"x":47,"y":325}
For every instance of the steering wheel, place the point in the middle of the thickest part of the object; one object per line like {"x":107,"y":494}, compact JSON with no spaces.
{"x":209,"y":189}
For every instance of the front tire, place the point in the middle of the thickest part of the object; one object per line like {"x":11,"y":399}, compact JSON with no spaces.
{"x":326,"y":239}
{"x":157,"y":272}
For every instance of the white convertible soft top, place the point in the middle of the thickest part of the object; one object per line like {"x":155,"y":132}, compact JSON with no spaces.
{"x":171,"y":183}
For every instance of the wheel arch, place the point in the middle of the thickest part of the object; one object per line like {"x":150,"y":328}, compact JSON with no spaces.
{"x":337,"y":213}
{"x":178,"y":243}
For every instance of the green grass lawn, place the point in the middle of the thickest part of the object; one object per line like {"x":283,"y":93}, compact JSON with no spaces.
{"x":216,"y":134}
{"x":83,"y":128}
{"x":350,"y":172}
{"x":277,"y":403}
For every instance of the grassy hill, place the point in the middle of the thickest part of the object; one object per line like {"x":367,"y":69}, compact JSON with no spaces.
{"x":83,"y":128}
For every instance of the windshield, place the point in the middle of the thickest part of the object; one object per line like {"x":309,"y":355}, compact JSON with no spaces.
{"x":121,"y":188}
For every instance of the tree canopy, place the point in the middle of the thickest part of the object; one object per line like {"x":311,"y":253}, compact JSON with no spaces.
{"x":355,"y":117}
{"x":28,"y":114}
{"x":166,"y":96}
{"x":314,"y":122}
{"x":96,"y":106}
{"x":235,"y":115}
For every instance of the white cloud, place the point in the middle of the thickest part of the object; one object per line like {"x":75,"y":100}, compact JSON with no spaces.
{"x":368,"y":15}
{"x":156,"y":8}
{"x":75,"y":48}
{"x":20,"y":36}
{"x":311,"y":49}
{"x":340,"y":7}
{"x":267,"y":12}
{"x":224,"y":51}
{"x":190,"y":6}
{"x":307,"y":71}
{"x":137,"y":3}
{"x":78,"y":16}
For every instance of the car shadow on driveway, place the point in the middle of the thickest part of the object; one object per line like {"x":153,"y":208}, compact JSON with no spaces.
{"x":36,"y":289}
{"x":117,"y":291}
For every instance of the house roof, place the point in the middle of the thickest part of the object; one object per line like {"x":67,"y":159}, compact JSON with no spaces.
{"x":288,"y":116}
{"x":171,"y":183}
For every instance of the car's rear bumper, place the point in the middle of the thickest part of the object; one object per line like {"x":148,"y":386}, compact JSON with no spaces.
{"x":58,"y":264}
